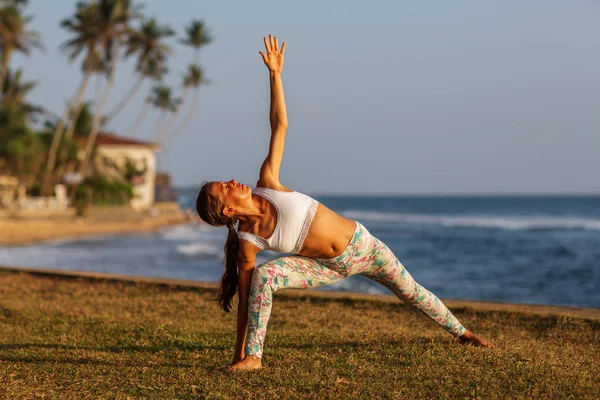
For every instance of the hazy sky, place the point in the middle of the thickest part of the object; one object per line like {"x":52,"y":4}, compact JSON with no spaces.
{"x":402,"y":97}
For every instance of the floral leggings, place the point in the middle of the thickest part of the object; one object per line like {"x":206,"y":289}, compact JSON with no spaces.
{"x":365,"y":255}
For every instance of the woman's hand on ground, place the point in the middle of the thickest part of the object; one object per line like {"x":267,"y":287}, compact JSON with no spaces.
{"x":273,"y":58}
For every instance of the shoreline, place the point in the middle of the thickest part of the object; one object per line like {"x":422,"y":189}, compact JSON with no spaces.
{"x":479,"y":305}
{"x":22,"y":232}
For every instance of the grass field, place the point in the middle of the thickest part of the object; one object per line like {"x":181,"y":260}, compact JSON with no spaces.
{"x":66,"y":338}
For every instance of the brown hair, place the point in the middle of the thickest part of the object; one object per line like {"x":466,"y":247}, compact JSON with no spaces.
{"x":210,"y":209}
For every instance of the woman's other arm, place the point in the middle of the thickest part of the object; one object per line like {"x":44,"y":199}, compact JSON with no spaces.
{"x":273,"y":58}
{"x":246,"y":259}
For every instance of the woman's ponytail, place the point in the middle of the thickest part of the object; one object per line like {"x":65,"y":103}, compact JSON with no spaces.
{"x":229,"y":281}
{"x":209,"y":209}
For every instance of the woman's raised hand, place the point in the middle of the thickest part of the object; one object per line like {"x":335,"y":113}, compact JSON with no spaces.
{"x":273,"y":58}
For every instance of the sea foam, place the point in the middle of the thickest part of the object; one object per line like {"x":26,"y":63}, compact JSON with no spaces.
{"x":498,"y":222}
{"x":189,"y":232}
{"x":199,"y":249}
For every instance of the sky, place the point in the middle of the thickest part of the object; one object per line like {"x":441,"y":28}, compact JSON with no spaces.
{"x":383,"y":96}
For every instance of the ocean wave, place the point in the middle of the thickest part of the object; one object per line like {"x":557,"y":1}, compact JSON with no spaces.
{"x":356,"y":284}
{"x":509,"y":223}
{"x":189,"y":232}
{"x":86,"y":239}
{"x":199,"y":249}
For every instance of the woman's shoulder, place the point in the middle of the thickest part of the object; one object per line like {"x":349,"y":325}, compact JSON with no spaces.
{"x":278,"y":187}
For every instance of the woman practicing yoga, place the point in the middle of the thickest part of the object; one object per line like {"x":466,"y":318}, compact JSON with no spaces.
{"x":325,"y":246}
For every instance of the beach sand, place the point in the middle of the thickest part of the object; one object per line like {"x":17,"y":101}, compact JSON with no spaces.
{"x":27,"y":231}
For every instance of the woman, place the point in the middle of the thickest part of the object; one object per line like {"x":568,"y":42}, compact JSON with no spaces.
{"x":326,"y":247}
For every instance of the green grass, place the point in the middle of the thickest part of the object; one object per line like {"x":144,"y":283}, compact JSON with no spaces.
{"x":76,"y":338}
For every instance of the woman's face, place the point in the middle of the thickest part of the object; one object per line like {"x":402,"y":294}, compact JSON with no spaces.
{"x":231,"y":193}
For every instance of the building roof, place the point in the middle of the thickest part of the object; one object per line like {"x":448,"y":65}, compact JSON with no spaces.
{"x":110,"y":139}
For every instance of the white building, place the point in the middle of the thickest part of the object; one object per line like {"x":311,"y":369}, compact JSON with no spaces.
{"x":8,"y":190}
{"x":114,"y":152}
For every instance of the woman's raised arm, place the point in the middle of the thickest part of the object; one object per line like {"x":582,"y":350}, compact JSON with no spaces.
{"x":273,"y":58}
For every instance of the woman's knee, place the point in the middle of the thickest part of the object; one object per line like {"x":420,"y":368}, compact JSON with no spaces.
{"x":262,"y":278}
{"x":394,"y":276}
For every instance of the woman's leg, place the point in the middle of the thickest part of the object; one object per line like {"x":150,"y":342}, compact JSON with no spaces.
{"x":383,"y":267}
{"x":285,"y":272}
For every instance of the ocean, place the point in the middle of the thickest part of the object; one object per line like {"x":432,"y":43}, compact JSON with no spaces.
{"x":518,"y":249}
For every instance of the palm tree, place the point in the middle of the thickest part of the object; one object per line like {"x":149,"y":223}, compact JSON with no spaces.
{"x":99,"y":67}
{"x":154,"y":70}
{"x":163,"y":100}
{"x":147,"y":43}
{"x":14,"y":35}
{"x":98,"y":28}
{"x":83,"y":123}
{"x":197,"y":36}
{"x":15,"y":110}
{"x":14,"y":91}
{"x":192,"y":81}
{"x":112,"y":27}
{"x":84,"y":42}
{"x":187,"y":79}
{"x":21,"y":151}
{"x":67,"y":155}
{"x":20,"y":146}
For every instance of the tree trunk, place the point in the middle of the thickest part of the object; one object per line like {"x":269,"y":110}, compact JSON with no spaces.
{"x":130,"y":94}
{"x":156,"y":131}
{"x":91,"y":140}
{"x":4,"y":62}
{"x":188,"y":118}
{"x":173,"y":117}
{"x":73,"y":122}
{"x":51,"y":161}
{"x":139,"y":119}
{"x":60,"y":170}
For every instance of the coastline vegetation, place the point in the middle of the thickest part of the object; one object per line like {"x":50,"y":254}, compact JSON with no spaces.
{"x":40,"y":147}
{"x":71,"y":338}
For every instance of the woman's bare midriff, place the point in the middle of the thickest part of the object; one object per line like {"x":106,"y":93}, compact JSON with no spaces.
{"x":329,"y":234}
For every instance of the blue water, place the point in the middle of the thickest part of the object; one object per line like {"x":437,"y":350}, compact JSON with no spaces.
{"x":537,"y":250}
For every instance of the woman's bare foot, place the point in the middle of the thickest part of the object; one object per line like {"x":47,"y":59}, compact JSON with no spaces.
{"x":249,"y":362}
{"x":474,"y":340}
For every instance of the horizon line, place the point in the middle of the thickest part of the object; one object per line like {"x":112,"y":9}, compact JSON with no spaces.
{"x":440,"y":194}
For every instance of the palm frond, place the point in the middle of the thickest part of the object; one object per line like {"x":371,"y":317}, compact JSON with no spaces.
{"x":196,"y":35}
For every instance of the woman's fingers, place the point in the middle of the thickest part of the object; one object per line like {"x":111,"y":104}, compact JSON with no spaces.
{"x":272,"y":45}
{"x":263,"y":55}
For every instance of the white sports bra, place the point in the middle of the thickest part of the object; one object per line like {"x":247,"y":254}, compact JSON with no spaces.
{"x":295,"y":212}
